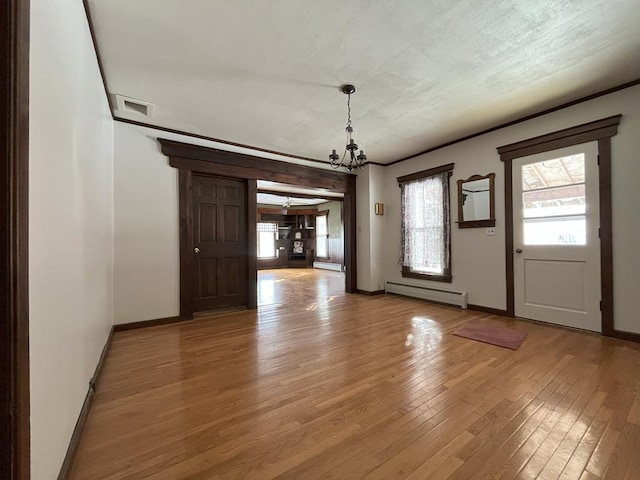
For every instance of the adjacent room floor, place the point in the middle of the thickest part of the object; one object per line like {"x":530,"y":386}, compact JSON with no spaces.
{"x":321,"y":384}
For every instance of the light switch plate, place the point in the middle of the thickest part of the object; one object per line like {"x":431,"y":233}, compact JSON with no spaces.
{"x":491,"y":231}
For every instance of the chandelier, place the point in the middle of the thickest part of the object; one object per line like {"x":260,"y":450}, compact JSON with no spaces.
{"x":355,"y":160}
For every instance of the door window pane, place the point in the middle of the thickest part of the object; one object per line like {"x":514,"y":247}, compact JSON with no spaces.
{"x":554,"y":202}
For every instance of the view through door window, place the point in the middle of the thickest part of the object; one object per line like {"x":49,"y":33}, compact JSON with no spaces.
{"x":553,"y":199}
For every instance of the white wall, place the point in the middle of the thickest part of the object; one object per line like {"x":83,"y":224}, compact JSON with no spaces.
{"x":370,"y":244}
{"x":147,"y":262}
{"x":478,"y":261}
{"x":71,"y":225}
{"x":363,"y":230}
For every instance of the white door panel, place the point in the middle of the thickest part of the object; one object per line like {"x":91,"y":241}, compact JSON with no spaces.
{"x":557,"y":249}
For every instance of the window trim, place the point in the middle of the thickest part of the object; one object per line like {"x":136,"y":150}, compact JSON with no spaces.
{"x":407,"y":272}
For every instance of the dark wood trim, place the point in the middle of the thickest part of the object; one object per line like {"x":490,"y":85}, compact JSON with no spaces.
{"x":94,"y":41}
{"x":407,"y":273}
{"x":606,"y":236}
{"x":14,"y":231}
{"x":74,"y":442}
{"x":322,"y":196}
{"x":508,"y":239}
{"x":148,"y":323}
{"x":601,"y":130}
{"x":190,"y":159}
{"x":185,"y":213}
{"x":630,"y":336}
{"x":208,"y":160}
{"x":76,"y":436}
{"x":489,"y":310}
{"x":252,"y":245}
{"x":477,"y":223}
{"x":350,"y":243}
{"x":370,"y":293}
{"x":93,"y":383}
{"x":430,"y":172}
{"x":587,"y":132}
{"x":277,"y":171}
{"x":617,"y":88}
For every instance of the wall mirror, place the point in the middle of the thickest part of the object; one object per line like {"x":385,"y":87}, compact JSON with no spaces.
{"x":476,"y":201}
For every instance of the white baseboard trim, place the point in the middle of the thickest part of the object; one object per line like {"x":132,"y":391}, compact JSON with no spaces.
{"x":328,"y":266}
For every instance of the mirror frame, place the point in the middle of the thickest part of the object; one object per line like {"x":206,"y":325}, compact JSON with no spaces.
{"x":487,"y":222}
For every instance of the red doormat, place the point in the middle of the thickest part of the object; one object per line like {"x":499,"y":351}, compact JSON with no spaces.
{"x":491,"y":333}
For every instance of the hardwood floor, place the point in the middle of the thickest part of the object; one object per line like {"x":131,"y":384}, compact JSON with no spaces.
{"x":322,"y":384}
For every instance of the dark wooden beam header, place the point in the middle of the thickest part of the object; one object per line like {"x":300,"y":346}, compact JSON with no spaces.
{"x":183,"y":154}
{"x":587,"y":132}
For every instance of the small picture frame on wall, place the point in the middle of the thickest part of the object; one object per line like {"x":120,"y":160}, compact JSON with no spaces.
{"x":298,"y":247}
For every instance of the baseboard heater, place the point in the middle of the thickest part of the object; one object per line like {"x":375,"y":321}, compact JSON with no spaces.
{"x":428,"y":293}
{"x":328,"y":266}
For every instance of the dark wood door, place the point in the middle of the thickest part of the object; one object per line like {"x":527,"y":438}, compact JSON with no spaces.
{"x":220,"y":243}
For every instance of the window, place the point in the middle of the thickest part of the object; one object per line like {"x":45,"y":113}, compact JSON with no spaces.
{"x":267,"y":236}
{"x":322,"y":235}
{"x":425,"y":230}
{"x":554,"y":202}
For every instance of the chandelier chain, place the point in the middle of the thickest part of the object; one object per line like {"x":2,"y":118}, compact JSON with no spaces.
{"x":349,"y":111}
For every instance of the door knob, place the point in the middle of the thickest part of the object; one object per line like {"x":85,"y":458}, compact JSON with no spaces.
{"x":518,"y":250}
{"x":196,"y":250}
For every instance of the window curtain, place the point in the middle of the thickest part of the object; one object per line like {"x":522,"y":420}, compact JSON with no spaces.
{"x":425,"y":224}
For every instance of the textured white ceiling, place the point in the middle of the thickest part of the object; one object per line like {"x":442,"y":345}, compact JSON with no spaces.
{"x":267,"y":73}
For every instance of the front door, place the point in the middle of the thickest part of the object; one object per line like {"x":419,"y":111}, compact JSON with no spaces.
{"x":555,"y":237}
{"x":219,"y":243}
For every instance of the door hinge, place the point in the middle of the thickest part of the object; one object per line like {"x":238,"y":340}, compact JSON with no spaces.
{"x":600,"y":305}
{"x":598,"y":160}
{"x":599,"y":236}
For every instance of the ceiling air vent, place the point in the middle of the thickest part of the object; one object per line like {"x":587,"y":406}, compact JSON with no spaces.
{"x":133,"y":105}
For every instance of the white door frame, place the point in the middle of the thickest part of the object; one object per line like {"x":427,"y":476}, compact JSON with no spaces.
{"x":601,"y":131}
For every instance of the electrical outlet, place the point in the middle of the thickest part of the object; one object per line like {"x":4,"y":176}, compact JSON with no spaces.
{"x":491,"y":231}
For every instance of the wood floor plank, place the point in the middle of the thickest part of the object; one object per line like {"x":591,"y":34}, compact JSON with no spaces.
{"x":321,"y":384}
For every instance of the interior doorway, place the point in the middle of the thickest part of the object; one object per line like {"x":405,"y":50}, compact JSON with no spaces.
{"x":192,"y":160}
{"x":299,"y":227}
